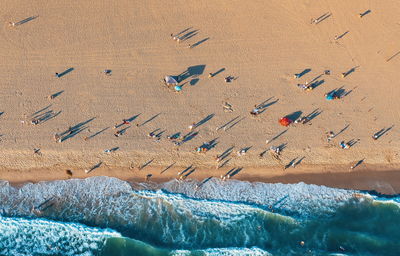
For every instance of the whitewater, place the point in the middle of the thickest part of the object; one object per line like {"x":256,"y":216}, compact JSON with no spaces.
{"x":108,"y":216}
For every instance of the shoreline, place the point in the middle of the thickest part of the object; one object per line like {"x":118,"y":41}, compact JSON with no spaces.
{"x":374,"y":174}
{"x":383,"y":179}
{"x":268,"y":59}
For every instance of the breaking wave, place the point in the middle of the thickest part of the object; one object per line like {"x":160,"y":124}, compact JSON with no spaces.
{"x":192,"y":218}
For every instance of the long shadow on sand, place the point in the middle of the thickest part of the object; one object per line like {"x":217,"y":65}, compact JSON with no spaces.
{"x":294,"y":115}
{"x":65,"y":72}
{"x":191,"y":72}
{"x":74,"y":130}
{"x":204,"y":120}
{"x":26,"y":20}
{"x":200,"y":42}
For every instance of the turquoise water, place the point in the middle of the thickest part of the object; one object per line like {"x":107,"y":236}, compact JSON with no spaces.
{"x":105,"y":216}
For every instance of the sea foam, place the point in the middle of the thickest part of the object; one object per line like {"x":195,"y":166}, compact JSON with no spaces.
{"x":19,"y":236}
{"x":186,"y":215}
{"x":224,"y":252}
{"x":301,"y":200}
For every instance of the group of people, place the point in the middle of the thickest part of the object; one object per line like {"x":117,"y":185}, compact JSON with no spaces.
{"x":275,"y":151}
{"x":305,"y":87}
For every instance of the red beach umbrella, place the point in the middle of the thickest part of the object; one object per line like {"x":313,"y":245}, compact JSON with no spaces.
{"x":284,"y":121}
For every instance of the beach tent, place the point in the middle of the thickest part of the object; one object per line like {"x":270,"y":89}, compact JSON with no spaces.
{"x":284,"y":121}
{"x":170,"y":81}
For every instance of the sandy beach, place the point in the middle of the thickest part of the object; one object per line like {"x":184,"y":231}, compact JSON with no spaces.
{"x":262,"y":45}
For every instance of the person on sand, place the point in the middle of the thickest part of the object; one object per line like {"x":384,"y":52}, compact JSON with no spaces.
{"x":117,"y":133}
{"x":302,"y":86}
{"x":275,"y":150}
{"x":309,"y":88}
{"x":203,"y":148}
{"x":69,"y":172}
{"x":210,"y":75}
{"x":305,"y":87}
{"x":305,"y":120}
{"x":192,"y":126}
{"x":228,"y":79}
{"x":174,"y":136}
{"x":107,"y":72}
{"x":298,"y":120}
{"x":227,"y":107}
{"x":330,"y":135}
{"x":302,"y":120}
{"x":255,"y":112}
{"x":37,"y":151}
{"x":125,"y":121}
{"x":344,"y":145}
{"x":56,"y":137}
{"x":241,"y":152}
{"x":35,"y":121}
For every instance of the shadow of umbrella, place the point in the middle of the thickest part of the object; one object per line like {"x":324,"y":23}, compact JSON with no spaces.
{"x":295,"y":115}
{"x":192,"y":71}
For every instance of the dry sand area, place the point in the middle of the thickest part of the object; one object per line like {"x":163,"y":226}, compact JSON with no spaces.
{"x":261,"y":43}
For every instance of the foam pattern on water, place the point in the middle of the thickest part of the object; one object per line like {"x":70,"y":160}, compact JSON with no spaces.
{"x":186,"y":215}
{"x":164,"y":218}
{"x":224,"y":252}
{"x":301,"y":200}
{"x":98,"y":193}
{"x":290,"y":199}
{"x":20,"y":237}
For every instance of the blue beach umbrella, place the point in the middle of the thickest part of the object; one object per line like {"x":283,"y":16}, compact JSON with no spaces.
{"x":330,"y":96}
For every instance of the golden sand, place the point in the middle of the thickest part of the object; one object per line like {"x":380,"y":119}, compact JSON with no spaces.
{"x":261,"y":43}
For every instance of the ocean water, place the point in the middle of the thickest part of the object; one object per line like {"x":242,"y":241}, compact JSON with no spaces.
{"x":107,"y":216}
